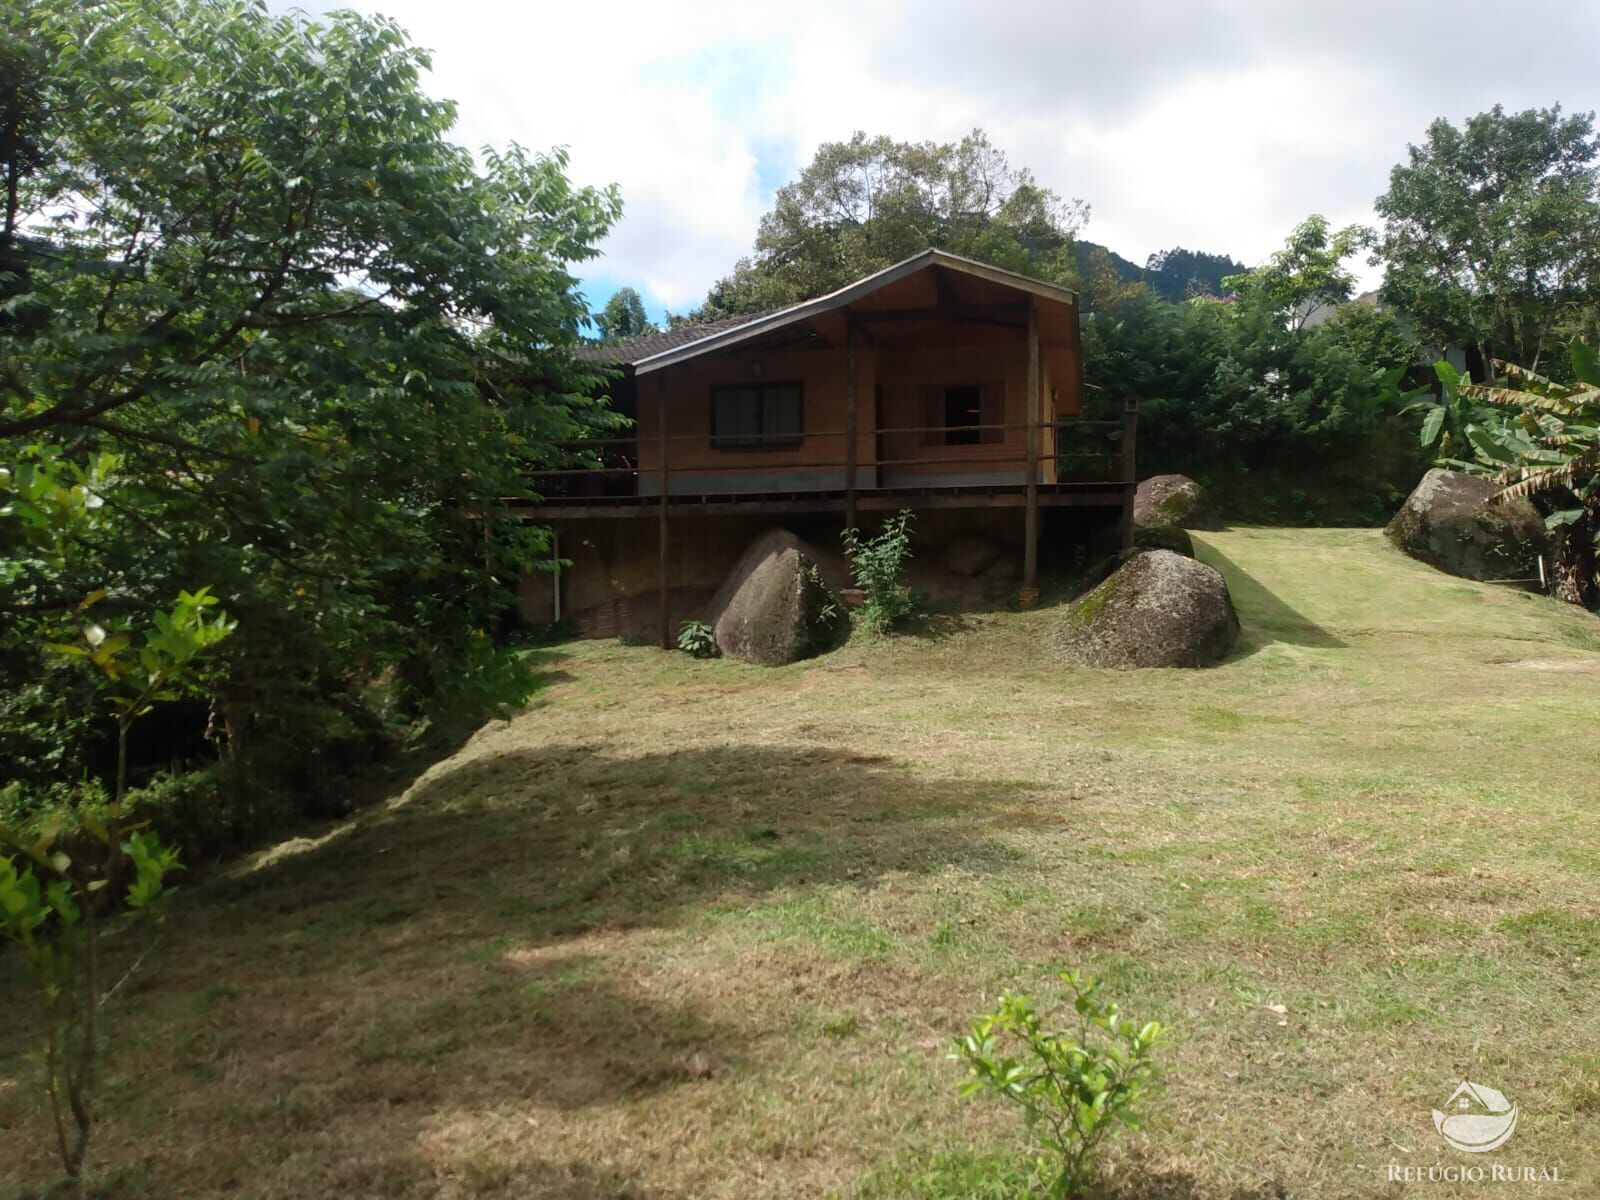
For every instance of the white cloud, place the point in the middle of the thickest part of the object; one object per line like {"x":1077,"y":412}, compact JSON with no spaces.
{"x":1213,"y":125}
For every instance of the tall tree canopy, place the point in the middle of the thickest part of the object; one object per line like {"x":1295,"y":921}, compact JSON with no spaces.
{"x":296,"y":343}
{"x":1306,"y":276}
{"x":865,"y":204}
{"x":623,"y":316}
{"x":1180,"y":274}
{"x":1282,"y":419}
{"x":1492,"y":231}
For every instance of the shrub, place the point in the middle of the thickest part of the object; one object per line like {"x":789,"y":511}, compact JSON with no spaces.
{"x":697,"y":638}
{"x":877,"y":564}
{"x":1073,"y":1086}
{"x":61,"y":873}
{"x":50,"y":906}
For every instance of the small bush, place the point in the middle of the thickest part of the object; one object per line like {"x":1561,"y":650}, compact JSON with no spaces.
{"x":877,"y":565}
{"x":697,"y":638}
{"x":1073,"y":1086}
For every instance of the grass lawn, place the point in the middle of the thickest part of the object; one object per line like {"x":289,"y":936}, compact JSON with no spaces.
{"x":697,"y":929}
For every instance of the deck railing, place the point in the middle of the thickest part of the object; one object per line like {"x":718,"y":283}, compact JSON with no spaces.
{"x":1084,"y":452}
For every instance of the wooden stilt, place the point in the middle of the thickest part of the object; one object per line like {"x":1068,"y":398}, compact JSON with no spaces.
{"x":1030,"y":530}
{"x":1130,"y":469}
{"x":663,"y":571}
{"x":849,"y":421}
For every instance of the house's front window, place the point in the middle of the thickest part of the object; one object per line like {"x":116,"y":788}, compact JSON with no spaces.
{"x":763,"y":416}
{"x":963,"y":413}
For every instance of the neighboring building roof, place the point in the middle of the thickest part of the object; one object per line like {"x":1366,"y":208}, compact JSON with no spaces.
{"x":632,"y":350}
{"x":656,"y":350}
{"x":1318,"y":312}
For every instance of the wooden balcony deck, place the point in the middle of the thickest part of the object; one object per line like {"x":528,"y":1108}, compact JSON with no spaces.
{"x":1099,"y":493}
{"x":613,"y":484}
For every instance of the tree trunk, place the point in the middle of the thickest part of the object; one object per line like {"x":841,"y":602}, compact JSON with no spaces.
{"x":1479,"y":368}
{"x":1572,"y":567}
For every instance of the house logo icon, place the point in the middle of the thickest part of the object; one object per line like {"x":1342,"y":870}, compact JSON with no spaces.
{"x":1476,"y":1119}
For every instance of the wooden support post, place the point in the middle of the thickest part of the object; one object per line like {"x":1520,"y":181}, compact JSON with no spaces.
{"x":1030,"y":531}
{"x":849,"y":421}
{"x":1130,"y":469}
{"x":661,"y":525}
{"x":555,"y":575}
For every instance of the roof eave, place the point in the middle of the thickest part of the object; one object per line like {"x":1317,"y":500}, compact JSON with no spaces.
{"x":871,"y":283}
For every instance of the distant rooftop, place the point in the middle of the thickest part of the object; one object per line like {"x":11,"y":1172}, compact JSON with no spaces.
{"x":632,"y":350}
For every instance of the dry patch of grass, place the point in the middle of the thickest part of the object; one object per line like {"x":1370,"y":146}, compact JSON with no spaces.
{"x":695,"y":929}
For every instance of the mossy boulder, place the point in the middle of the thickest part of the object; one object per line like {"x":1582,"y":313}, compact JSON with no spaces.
{"x":1158,"y":609}
{"x":775,"y":607}
{"x":1174,"y":500}
{"x":1454,"y":522}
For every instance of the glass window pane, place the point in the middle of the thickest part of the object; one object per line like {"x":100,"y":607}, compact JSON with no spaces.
{"x":737,"y":414}
{"x":781,"y":412}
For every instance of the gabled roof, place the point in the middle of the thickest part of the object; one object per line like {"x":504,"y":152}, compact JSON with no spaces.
{"x":656,"y":350}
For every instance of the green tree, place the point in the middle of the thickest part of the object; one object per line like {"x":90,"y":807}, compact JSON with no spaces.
{"x":1102,"y":283}
{"x":623,"y":316}
{"x":323,"y":349}
{"x":1492,"y":232}
{"x":1180,"y":274}
{"x":21,"y":116}
{"x":867,"y":203}
{"x":1280,"y":417}
{"x":1306,"y":276}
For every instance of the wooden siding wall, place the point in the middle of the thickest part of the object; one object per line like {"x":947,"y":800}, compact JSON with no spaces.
{"x":890,"y":383}
{"x":904,"y":374}
{"x":703,"y":468}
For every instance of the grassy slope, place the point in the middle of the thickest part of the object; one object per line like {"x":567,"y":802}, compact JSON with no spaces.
{"x":704,"y":930}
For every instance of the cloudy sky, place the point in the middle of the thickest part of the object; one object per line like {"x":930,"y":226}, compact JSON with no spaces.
{"x":1210,"y":124}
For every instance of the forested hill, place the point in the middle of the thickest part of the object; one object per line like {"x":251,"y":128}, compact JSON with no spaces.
{"x":1171,"y":274}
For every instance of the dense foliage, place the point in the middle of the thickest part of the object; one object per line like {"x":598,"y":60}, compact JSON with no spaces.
{"x":59,"y":871}
{"x":1541,"y":439}
{"x":1283,"y":418}
{"x":1305,"y":278}
{"x":1492,"y":234}
{"x":1176,"y":274}
{"x":1265,"y":384}
{"x":295,"y":347}
{"x":868,"y":203}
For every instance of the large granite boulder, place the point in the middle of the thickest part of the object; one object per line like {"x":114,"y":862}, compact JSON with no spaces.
{"x":775,"y":607}
{"x":1158,"y":609}
{"x":1452,"y":521}
{"x":1173,"y":500}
